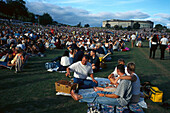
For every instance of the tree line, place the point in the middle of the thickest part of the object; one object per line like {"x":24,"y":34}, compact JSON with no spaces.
{"x":16,"y":9}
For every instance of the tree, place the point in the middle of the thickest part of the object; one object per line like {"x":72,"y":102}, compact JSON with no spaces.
{"x":31,"y":17}
{"x":129,"y":28}
{"x":116,"y":27}
{"x":159,"y":27}
{"x":136,"y":25}
{"x":79,"y":25}
{"x":2,"y":7}
{"x":86,"y":25}
{"x":108,"y":25}
{"x":45,"y":19}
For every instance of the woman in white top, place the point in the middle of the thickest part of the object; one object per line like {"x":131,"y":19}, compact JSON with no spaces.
{"x":163,"y":46}
{"x":65,"y":61}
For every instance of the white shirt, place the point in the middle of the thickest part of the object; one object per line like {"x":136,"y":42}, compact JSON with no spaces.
{"x":65,"y":61}
{"x":133,"y":37}
{"x":164,"y":41}
{"x":136,"y":86}
{"x":116,"y":75}
{"x":80,"y":70}
{"x":22,"y":46}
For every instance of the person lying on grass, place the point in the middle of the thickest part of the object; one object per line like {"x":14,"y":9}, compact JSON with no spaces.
{"x":121,"y":97}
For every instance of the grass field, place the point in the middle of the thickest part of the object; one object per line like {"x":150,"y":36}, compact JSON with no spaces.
{"x":33,"y":91}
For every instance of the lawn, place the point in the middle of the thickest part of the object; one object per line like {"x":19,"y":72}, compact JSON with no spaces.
{"x":33,"y":90}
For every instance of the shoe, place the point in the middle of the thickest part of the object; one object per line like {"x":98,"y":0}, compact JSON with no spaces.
{"x":50,"y":70}
{"x":55,"y":69}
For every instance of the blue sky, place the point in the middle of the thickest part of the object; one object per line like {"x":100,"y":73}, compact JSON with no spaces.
{"x":94,"y":12}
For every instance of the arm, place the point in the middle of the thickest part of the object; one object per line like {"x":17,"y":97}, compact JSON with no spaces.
{"x":108,"y":95}
{"x":68,"y":72}
{"x":91,"y":75}
{"x":111,"y":76}
{"x":131,"y":78}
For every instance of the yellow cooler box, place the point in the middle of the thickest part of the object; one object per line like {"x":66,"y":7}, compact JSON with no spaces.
{"x":156,"y":95}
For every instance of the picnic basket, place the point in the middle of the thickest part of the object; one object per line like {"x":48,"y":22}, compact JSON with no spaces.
{"x":65,"y":86}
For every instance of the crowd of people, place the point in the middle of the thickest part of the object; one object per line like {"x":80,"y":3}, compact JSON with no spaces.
{"x":33,"y":40}
{"x":84,"y":50}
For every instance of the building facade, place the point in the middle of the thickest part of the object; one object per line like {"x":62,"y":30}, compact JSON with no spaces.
{"x":126,"y":23}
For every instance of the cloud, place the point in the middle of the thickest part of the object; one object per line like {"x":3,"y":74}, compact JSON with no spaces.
{"x":74,"y":1}
{"x":161,"y":18}
{"x":163,"y":15}
{"x":72,"y":16}
{"x":129,"y":1}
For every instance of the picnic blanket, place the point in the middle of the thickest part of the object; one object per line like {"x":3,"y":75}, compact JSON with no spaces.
{"x":137,"y":108}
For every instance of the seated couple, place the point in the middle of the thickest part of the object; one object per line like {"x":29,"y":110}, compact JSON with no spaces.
{"x":12,"y":59}
{"x":128,"y":90}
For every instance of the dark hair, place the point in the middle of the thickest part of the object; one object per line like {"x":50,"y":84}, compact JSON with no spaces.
{"x":121,"y":68}
{"x":93,"y":51}
{"x":154,"y":39}
{"x":82,"y":48}
{"x":86,"y":57}
{"x":66,"y":53}
{"x":121,"y":60}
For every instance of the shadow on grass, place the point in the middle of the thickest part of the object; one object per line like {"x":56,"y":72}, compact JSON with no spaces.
{"x":162,"y":85}
{"x":50,"y":104}
{"x":18,"y":83}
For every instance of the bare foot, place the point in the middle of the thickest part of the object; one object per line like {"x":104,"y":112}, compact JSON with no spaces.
{"x":95,"y":89}
{"x":74,"y":95}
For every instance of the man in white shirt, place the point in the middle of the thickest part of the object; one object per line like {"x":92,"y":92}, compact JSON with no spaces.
{"x":81,"y":71}
{"x":164,"y":43}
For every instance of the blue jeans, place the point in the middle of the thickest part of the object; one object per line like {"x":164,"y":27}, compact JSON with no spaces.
{"x":94,"y":98}
{"x":3,"y":63}
{"x":84,"y":84}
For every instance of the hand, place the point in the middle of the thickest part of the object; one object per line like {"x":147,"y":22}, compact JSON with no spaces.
{"x":115,"y":82}
{"x":67,"y":74}
{"x":110,"y":76}
{"x":100,"y":94}
{"x":95,"y":81}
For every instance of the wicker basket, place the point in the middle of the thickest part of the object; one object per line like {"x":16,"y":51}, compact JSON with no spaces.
{"x":65,"y":86}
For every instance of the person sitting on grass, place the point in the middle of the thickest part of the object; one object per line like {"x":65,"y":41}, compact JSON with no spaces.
{"x":19,"y":54}
{"x":112,"y":77}
{"x":133,"y":77}
{"x":94,"y":60}
{"x":65,"y":61}
{"x":81,"y":70}
{"x":121,"y":97}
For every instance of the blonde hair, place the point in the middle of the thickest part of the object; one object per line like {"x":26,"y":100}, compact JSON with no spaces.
{"x":131,"y":66}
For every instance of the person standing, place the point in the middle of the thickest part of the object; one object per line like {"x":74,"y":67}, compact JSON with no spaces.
{"x":154,"y":44}
{"x":163,"y":45}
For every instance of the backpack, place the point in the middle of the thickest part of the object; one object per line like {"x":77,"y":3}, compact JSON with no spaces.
{"x":152,"y":92}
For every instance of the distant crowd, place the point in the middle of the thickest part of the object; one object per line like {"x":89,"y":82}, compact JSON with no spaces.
{"x":31,"y":40}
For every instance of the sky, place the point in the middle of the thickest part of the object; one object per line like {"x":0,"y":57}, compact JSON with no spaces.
{"x":93,"y":12}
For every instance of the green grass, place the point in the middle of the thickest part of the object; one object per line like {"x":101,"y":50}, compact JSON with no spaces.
{"x":33,"y":90}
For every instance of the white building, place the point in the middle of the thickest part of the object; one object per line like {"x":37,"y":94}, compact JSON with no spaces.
{"x":126,"y":23}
